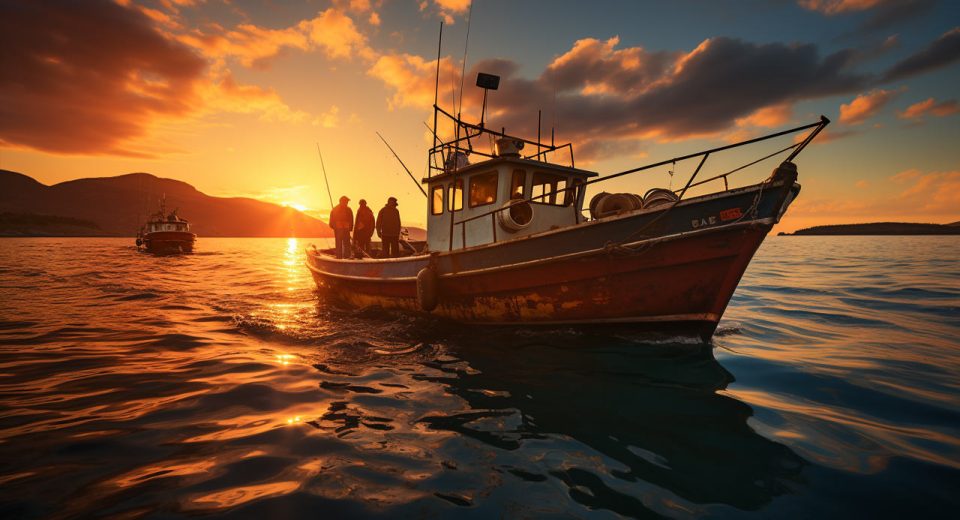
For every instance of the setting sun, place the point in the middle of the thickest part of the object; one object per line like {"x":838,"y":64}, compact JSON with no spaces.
{"x":294,"y":205}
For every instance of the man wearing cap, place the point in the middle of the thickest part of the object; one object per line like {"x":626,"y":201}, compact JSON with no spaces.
{"x":341,"y":220}
{"x":363,"y":229}
{"x":388,"y":229}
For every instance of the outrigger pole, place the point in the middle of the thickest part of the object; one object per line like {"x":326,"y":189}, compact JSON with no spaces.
{"x":327,"y":181}
{"x":414,"y":179}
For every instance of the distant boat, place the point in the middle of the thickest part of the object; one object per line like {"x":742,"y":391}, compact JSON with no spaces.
{"x":166,"y":233}
{"x":508,"y":243}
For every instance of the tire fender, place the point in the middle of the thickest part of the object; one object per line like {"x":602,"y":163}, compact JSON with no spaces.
{"x":427,"y":289}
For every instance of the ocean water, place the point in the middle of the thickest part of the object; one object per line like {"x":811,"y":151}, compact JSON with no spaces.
{"x":220,"y":384}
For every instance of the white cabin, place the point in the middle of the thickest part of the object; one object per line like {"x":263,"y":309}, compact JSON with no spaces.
{"x":171,"y":223}
{"x":533,"y":197}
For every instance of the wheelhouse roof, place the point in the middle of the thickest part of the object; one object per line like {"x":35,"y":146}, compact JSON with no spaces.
{"x":528,"y":163}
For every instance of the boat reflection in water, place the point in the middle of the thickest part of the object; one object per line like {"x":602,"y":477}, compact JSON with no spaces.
{"x":634,"y":429}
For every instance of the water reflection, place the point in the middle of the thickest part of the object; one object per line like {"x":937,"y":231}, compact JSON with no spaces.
{"x":220,"y":383}
{"x":653,"y":410}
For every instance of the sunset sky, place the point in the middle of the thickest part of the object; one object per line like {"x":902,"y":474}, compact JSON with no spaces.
{"x":234,"y":96}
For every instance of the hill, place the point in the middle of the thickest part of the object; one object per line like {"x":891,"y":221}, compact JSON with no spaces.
{"x":883,"y":228}
{"x":114,"y":206}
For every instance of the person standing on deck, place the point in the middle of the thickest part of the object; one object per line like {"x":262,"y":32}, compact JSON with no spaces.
{"x":388,"y":229}
{"x":341,"y":220}
{"x":363,"y":229}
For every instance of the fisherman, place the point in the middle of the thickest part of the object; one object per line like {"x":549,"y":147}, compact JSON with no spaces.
{"x":363,"y":229}
{"x":341,"y":220}
{"x":388,"y":229}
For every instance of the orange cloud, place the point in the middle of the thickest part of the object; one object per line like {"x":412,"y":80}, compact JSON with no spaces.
{"x":66,"y":92}
{"x":331,"y":30}
{"x":768,"y":117}
{"x":930,"y":106}
{"x":104,"y":95}
{"x":832,"y":7}
{"x":337,"y":35}
{"x":865,"y":106}
{"x":933,"y":193}
{"x":923,"y":197}
{"x":224,"y":94}
{"x":413,"y":78}
{"x":448,"y":9}
{"x":906,"y":175}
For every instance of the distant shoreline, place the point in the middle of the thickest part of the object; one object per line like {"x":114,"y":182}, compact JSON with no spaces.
{"x":133,"y":236}
{"x":879,"y":229}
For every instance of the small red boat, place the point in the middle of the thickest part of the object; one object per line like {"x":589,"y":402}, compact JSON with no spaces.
{"x":508,"y":243}
{"x":166,"y":233}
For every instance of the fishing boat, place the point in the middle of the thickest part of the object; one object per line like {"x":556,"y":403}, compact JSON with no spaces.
{"x":166,"y":233}
{"x":509,"y":241}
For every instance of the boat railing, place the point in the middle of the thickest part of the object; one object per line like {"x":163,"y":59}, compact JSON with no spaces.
{"x":798,"y":147}
{"x":440,"y":154}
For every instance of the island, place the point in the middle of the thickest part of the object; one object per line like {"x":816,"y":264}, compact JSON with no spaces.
{"x":880,"y":228}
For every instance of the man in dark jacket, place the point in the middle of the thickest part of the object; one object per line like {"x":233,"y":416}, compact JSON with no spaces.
{"x":363,"y":229}
{"x":341,"y":220}
{"x":388,"y":229}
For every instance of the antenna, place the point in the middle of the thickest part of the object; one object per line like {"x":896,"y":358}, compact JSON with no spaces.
{"x":436,"y":89}
{"x":554,"y":114}
{"x":325,"y":179}
{"x":463,"y":67}
{"x":538,"y":132}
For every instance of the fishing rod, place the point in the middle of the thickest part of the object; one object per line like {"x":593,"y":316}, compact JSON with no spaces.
{"x":404,"y":165}
{"x":327,"y":181}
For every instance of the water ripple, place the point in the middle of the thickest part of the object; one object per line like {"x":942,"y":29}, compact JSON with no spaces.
{"x":221,"y":383}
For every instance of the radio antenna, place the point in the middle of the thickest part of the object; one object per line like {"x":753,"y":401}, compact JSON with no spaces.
{"x":463,"y":66}
{"x":436,"y":89}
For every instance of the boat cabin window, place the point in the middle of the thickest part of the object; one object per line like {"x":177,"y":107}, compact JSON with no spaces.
{"x":570,"y":194}
{"x":436,"y":200}
{"x":455,"y":196}
{"x":518,"y":185}
{"x":544,"y":183}
{"x":483,"y":189}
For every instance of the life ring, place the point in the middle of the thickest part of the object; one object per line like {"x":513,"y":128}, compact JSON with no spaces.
{"x":515,"y":215}
{"x":427,"y":288}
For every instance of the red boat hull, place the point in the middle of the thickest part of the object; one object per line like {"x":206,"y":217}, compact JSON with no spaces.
{"x":679,"y":277}
{"x":674,"y":284}
{"x":169,"y":242}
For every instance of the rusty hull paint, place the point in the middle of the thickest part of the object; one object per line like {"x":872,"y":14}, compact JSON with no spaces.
{"x":689,"y":279}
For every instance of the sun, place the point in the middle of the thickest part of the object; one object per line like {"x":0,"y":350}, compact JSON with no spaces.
{"x":295,"y":205}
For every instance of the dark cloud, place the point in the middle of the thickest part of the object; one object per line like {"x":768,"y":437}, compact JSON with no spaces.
{"x":942,"y":52}
{"x":894,"y":12}
{"x":623,"y":70}
{"x":702,"y":92}
{"x":729,"y":79}
{"x":84,"y":77}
